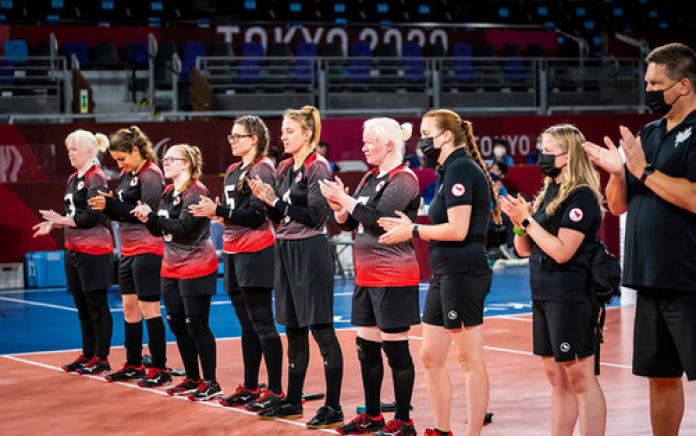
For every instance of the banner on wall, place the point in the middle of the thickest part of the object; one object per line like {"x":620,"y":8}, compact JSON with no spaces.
{"x":31,"y":152}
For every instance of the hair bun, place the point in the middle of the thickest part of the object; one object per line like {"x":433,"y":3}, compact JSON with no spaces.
{"x":102,"y":142}
{"x":406,"y":131}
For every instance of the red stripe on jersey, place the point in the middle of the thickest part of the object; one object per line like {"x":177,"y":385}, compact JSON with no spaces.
{"x":251,"y":241}
{"x":404,"y":273}
{"x":90,"y":249}
{"x":199,"y":263}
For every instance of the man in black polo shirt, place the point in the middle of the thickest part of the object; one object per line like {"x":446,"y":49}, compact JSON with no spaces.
{"x":657,"y":188}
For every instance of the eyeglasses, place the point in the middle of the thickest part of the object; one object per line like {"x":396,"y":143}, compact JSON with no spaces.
{"x":235,"y":137}
{"x":169,"y":160}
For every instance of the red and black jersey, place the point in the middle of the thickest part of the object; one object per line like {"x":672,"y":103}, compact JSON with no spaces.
{"x":92,"y":234}
{"x":188,"y":250}
{"x":381,"y":195}
{"x":301,"y":209}
{"x":247,"y":229}
{"x":146,"y":185}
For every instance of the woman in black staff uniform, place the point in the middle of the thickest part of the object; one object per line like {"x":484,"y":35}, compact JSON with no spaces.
{"x":88,"y":250}
{"x":453,"y":312}
{"x":385,"y":300}
{"x":141,"y":255}
{"x":249,"y":252}
{"x":304,"y":267}
{"x":189,"y":269}
{"x":559,"y":234}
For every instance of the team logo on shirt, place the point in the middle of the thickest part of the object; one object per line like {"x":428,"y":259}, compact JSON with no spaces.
{"x":575,"y":214}
{"x":134,"y":181}
{"x":176,"y":201}
{"x":379,"y":186}
{"x":298,"y":177}
{"x":80,"y":185}
{"x":452,"y":314}
{"x":458,"y":189}
{"x":564,"y":347}
{"x":682,"y":136}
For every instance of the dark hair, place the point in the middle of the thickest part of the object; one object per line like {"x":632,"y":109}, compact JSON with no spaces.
{"x":125,"y":139}
{"x":501,"y":141}
{"x":679,"y":60}
{"x":463,"y":132}
{"x":501,"y":166}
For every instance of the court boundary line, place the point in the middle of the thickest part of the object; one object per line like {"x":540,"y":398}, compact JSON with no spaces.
{"x":214,"y":404}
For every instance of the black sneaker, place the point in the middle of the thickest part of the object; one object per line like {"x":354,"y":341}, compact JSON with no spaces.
{"x":75,"y":364}
{"x":127,"y":372}
{"x":95,"y":366}
{"x":362,"y":423}
{"x":397,"y":427}
{"x":265,"y":401}
{"x":207,"y":390}
{"x":281,"y":409}
{"x":186,"y":387}
{"x":241,"y":397}
{"x":155,"y":377}
{"x":326,"y":417}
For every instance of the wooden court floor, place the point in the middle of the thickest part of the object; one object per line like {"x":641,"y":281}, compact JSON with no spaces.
{"x":38,"y":398}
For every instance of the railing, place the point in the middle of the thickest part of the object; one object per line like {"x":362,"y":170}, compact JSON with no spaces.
{"x":408,"y":86}
{"x":38,"y":84}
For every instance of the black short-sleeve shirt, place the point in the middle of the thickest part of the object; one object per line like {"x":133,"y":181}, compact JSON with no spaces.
{"x":569,"y":281}
{"x":660,"y":242}
{"x":460,"y":181}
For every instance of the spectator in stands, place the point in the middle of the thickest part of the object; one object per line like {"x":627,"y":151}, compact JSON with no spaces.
{"x":656,"y":186}
{"x":249,"y":245}
{"x":88,"y":250}
{"x":501,"y":151}
{"x":189,"y":270}
{"x":323,"y":149}
{"x":498,"y":170}
{"x":385,"y":300}
{"x":500,"y":236}
{"x":304,"y":267}
{"x":141,"y":255}
{"x":558,"y":233}
{"x":461,"y":280}
{"x":533,"y":156}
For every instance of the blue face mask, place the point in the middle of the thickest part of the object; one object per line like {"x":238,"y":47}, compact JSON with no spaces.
{"x":494,"y":176}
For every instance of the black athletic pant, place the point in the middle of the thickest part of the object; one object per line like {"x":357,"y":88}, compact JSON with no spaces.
{"x":253,"y":306}
{"x":95,"y":321}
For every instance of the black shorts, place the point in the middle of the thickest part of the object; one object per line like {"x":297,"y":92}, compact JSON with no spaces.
{"x":249,"y":270}
{"x":140,"y":275}
{"x":565,"y":331}
{"x":206,"y":285}
{"x":176,"y":304}
{"x":386,"y":308}
{"x":455,"y":299}
{"x":88,"y":272}
{"x":304,"y":272}
{"x":664,"y":337}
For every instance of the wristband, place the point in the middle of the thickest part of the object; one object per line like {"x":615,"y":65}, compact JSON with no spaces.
{"x":414,"y":231}
{"x":519,"y":231}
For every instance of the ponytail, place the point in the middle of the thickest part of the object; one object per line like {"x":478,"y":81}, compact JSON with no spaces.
{"x":476,"y":156}
{"x":310,"y":120}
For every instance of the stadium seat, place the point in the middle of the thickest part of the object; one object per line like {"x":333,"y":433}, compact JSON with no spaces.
{"x":16,"y":51}
{"x":79,"y":49}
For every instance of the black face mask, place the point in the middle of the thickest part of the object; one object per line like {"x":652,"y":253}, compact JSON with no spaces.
{"x":547,"y":163}
{"x":431,"y":153}
{"x":655,"y":100}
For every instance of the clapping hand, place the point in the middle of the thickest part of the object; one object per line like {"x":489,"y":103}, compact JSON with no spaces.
{"x":98,"y":202}
{"x":205,"y":207}
{"x":141,"y":211}
{"x":398,"y":229}
{"x":516,"y":208}
{"x":261,"y":190}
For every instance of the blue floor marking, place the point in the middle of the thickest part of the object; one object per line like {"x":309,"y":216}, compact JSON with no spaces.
{"x":44,"y":320}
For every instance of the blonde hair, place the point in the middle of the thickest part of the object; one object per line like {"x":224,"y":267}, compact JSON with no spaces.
{"x":463,"y":132}
{"x":98,"y":143}
{"x":579,"y":172}
{"x":389,"y":130}
{"x":194,"y":157}
{"x":308,"y":117}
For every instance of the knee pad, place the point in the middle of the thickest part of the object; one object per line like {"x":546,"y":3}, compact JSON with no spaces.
{"x":266,"y":330}
{"x":398,"y":354}
{"x":325,"y":337}
{"x":177,"y":324}
{"x":298,"y":350}
{"x":369,"y":352}
{"x":196,"y":325}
